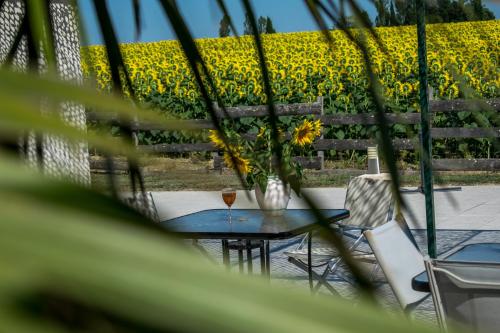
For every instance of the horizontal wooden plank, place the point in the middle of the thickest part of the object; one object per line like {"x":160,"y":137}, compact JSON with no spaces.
{"x":296,"y":109}
{"x":336,"y":144}
{"x":369,"y":119}
{"x":192,"y":124}
{"x":178,"y":124}
{"x":315,"y":108}
{"x":100,"y":163}
{"x":100,"y":116}
{"x":314,"y":162}
{"x":361,"y":144}
{"x":321,"y":144}
{"x":459,"y":132}
{"x":457,"y":105}
{"x":455,"y":164}
{"x":334,"y":119}
{"x":177,"y":148}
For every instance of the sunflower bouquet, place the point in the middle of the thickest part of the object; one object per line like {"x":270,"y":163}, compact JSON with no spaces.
{"x":252,"y":154}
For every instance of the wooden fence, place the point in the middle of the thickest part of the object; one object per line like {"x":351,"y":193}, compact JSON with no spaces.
{"x":321,"y":144}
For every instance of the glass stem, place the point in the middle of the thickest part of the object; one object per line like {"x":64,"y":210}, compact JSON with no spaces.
{"x":230,"y":218}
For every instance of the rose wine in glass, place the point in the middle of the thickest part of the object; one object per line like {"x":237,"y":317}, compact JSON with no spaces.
{"x":229,"y":196}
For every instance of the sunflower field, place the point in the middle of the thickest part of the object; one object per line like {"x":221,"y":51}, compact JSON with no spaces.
{"x":462,"y":58}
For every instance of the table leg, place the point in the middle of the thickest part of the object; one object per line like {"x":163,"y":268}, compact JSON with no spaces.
{"x":225,"y":253}
{"x":268,"y":261}
{"x":309,"y":259}
{"x":249,"y":257}
{"x":240,"y":259}
{"x":262,"y":258}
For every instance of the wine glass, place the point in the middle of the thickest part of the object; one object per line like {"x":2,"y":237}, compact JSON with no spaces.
{"x":229,"y":196}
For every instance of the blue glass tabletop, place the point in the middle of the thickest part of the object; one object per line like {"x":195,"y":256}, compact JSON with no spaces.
{"x":481,"y":252}
{"x":248,"y":223}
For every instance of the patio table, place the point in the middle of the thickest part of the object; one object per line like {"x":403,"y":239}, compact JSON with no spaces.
{"x":250,"y":224}
{"x":481,"y":252}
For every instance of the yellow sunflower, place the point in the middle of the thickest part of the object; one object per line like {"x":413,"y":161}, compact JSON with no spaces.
{"x":305,"y":133}
{"x":406,"y":89}
{"x":216,"y":139}
{"x":317,"y":127}
{"x":237,"y":162}
{"x":261,"y":133}
{"x":453,"y":90}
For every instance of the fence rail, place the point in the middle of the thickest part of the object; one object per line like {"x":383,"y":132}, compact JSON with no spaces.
{"x":458,"y":105}
{"x":297,"y":109}
{"x":321,"y":144}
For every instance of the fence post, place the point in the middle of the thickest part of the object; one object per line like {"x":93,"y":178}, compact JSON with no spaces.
{"x":321,"y":154}
{"x":135,"y":130}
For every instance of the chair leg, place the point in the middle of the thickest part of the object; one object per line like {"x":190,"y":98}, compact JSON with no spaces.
{"x":334,"y":264}
{"x":330,"y":269}
{"x":304,"y":267}
{"x":373,"y":272}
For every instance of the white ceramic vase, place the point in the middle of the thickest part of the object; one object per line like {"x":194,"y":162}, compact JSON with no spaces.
{"x":275,"y":200}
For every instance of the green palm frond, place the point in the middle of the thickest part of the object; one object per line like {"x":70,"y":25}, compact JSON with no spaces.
{"x":68,"y":267}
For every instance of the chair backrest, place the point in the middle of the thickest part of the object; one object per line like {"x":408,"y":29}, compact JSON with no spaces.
{"x":399,"y":259}
{"x":466,"y":294}
{"x":369,"y":200}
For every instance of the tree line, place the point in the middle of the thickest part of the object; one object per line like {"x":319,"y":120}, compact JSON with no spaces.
{"x":389,"y":13}
{"x":402,"y":12}
{"x":264,"y":26}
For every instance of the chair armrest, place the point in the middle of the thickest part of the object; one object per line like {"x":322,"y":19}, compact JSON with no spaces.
{"x":468,"y":284}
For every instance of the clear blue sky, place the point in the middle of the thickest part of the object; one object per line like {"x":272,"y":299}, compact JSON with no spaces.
{"x":203,"y":17}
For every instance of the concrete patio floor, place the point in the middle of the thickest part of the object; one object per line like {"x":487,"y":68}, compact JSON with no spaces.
{"x":286,"y":275}
{"x":472,"y":208}
{"x":471,"y":215}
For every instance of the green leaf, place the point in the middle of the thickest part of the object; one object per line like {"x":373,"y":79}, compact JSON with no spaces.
{"x":247,"y":120}
{"x":398,"y":128}
{"x":37,"y":12}
{"x":24,"y":115}
{"x":463,"y":114}
{"x":286,"y":120}
{"x":137,"y":18}
{"x":22,"y":86}
{"x":75,"y":246}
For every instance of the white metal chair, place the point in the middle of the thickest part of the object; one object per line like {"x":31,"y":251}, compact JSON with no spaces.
{"x":399,"y":259}
{"x":370,"y":202}
{"x":465,"y":294}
